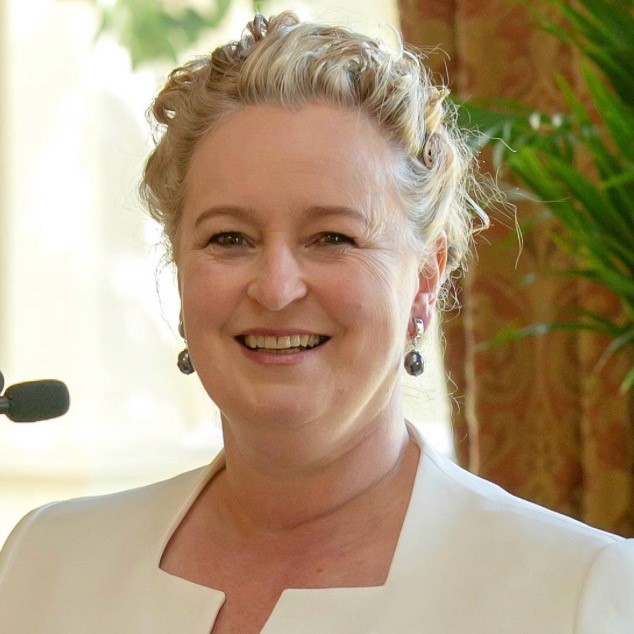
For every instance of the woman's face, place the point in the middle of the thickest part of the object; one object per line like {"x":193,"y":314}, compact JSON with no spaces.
{"x":296,"y":278}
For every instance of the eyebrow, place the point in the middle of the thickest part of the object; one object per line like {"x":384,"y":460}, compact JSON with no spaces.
{"x":314,"y":213}
{"x":336,"y":210}
{"x":221,"y":210}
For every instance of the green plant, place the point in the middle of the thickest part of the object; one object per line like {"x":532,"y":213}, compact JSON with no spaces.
{"x":159,"y":30}
{"x":544,"y":151}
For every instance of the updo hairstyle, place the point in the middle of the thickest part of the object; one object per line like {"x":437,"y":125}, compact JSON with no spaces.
{"x":284,"y":62}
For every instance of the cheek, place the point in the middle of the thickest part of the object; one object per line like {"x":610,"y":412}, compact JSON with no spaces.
{"x":382,"y":287}
{"x":372,"y":298}
{"x":207,"y":295}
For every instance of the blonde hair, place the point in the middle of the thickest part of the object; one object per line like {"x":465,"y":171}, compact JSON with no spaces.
{"x":282,"y":61}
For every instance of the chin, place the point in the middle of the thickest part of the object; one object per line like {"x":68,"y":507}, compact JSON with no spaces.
{"x":269,"y":411}
{"x":281,"y":415}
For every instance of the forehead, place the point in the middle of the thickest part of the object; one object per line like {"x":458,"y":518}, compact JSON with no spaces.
{"x":268,"y":156}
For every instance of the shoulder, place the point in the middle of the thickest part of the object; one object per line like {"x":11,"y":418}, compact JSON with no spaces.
{"x":528,"y":555}
{"x":484,"y":502}
{"x":136,"y":517}
{"x":90,"y":563}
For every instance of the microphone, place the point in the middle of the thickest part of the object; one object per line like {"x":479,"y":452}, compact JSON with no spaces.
{"x":34,"y":400}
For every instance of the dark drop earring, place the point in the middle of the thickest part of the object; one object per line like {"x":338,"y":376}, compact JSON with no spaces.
{"x":414,"y":361}
{"x":184,"y":362}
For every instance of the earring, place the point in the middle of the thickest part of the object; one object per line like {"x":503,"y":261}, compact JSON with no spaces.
{"x":414,"y":361}
{"x":184,"y":362}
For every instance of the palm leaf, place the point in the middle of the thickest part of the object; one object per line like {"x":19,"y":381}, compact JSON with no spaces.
{"x":604,"y":32}
{"x":614,"y":113}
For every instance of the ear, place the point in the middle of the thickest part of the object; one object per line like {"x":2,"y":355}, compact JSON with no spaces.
{"x":181,"y":324}
{"x":180,"y":310}
{"x":430,"y":277}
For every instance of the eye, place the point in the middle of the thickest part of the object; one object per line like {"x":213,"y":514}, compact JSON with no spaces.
{"x":228,"y":239}
{"x":336,"y":239}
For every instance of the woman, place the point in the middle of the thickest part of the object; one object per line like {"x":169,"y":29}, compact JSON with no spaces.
{"x":315,"y":199}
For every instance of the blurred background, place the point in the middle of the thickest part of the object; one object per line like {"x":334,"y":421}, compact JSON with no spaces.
{"x":83,"y":295}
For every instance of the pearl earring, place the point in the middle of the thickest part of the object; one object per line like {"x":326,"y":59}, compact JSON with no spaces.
{"x":414,"y":361}
{"x":184,"y":362}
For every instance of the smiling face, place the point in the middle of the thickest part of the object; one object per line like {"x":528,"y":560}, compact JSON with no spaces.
{"x":296,"y":278}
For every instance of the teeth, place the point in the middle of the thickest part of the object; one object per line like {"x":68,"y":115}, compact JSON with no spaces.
{"x":282,"y":343}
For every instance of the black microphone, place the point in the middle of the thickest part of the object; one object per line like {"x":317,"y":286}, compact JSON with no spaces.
{"x":35,"y":400}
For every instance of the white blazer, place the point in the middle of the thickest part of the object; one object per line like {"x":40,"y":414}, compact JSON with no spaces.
{"x":471,"y":559}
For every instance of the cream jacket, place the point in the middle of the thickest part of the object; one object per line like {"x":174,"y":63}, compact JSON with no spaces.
{"x":471,"y":559}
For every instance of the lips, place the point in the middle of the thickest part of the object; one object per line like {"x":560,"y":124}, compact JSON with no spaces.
{"x":281,"y":343}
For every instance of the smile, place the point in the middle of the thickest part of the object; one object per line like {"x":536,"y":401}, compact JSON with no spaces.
{"x":284,"y":344}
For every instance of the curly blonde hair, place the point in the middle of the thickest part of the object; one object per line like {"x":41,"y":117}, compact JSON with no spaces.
{"x":282,"y":61}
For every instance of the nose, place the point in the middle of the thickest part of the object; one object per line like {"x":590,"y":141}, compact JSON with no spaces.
{"x":278,"y":280}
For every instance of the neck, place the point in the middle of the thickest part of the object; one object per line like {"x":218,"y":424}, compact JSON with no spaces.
{"x":263,"y":490}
